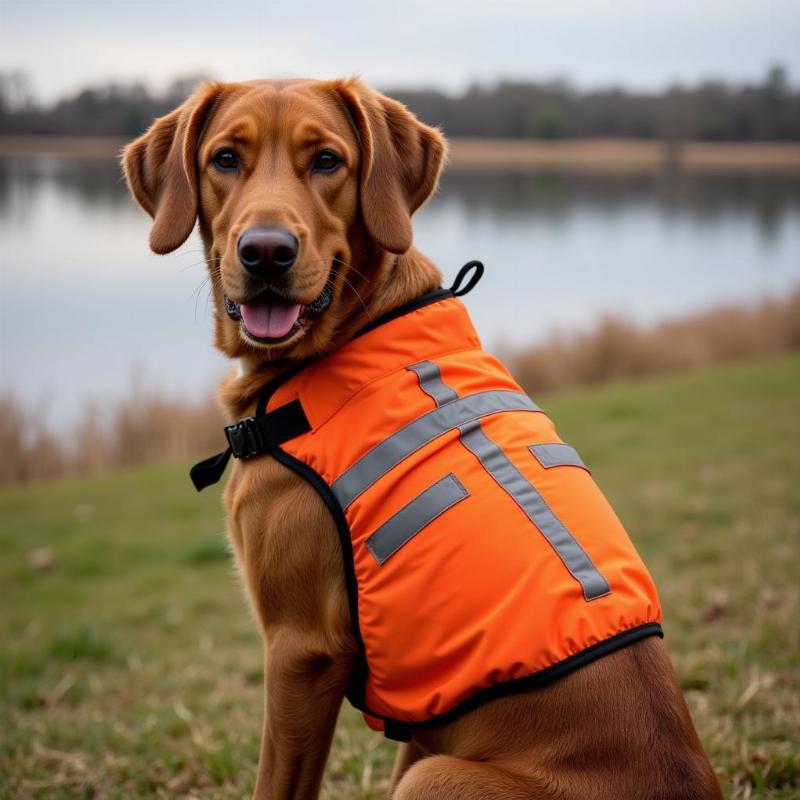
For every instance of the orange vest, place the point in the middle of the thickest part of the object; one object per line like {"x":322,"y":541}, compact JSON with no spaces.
{"x":480,"y":556}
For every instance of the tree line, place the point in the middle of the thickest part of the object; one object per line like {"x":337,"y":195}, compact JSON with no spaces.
{"x":710,"y":111}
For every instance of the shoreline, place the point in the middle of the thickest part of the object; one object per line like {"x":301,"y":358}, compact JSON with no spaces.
{"x":603,"y":156}
{"x":623,"y":156}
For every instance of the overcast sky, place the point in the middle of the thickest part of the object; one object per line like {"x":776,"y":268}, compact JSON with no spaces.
{"x":67,"y":44}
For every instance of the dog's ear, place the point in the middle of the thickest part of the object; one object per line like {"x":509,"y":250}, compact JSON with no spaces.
{"x":161,"y":171}
{"x":400,"y":163}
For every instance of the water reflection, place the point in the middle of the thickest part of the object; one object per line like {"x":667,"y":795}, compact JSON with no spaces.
{"x":89,"y":182}
{"x":82,"y":298}
{"x":503,"y":196}
{"x":517,"y":196}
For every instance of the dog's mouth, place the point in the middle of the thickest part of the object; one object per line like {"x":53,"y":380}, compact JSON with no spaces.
{"x":270,"y":318}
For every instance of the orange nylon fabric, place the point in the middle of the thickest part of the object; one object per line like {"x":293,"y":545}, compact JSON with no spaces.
{"x":478,"y":596}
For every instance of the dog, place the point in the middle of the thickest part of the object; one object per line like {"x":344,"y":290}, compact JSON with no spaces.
{"x":304,"y":191}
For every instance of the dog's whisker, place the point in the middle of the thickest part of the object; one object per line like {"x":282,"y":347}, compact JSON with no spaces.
{"x":334,"y":261}
{"x":355,"y":291}
{"x":187,"y":267}
{"x":204,"y":260}
{"x":203,"y":282}
{"x":196,"y":294}
{"x":214,"y":282}
{"x":351,"y":267}
{"x":190,"y":251}
{"x":350,"y":285}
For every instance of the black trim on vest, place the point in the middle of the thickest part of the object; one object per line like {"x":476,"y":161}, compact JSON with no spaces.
{"x":419,"y":302}
{"x":357,"y":682}
{"x":456,"y":290}
{"x":397,"y":731}
{"x":544,"y":676}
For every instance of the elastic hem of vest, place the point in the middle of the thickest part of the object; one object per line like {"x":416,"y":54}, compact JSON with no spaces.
{"x":535,"y":681}
{"x":400,"y":730}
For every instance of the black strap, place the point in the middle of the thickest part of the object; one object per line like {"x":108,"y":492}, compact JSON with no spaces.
{"x":396,"y":730}
{"x":250,"y":437}
{"x":477,"y":268}
{"x":253,"y":436}
{"x":209,"y":470}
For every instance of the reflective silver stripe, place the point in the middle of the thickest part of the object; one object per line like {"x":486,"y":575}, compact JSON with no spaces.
{"x":391,"y":451}
{"x":557,"y":455}
{"x":412,"y":518}
{"x":430,"y":381}
{"x":524,"y":493}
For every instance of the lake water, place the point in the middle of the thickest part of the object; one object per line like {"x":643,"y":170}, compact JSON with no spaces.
{"x":87,"y":309}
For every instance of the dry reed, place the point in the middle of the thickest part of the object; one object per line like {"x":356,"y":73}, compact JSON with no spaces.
{"x":617,"y":349}
{"x":147,"y":427}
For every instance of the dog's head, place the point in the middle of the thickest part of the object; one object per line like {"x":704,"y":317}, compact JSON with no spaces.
{"x":296,"y":186}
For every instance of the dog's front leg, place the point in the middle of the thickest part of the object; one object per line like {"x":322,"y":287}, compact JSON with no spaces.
{"x":289,"y":554}
{"x":304,"y":690}
{"x":408,"y":753}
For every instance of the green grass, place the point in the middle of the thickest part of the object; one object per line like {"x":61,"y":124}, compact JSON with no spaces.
{"x":130,"y":667}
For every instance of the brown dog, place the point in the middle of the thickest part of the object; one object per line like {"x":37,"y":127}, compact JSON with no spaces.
{"x":304,"y":192}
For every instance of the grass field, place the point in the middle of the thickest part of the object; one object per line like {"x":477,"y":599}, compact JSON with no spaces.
{"x":131,"y":667}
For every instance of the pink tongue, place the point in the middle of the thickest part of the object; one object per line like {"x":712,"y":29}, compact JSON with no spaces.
{"x":270,"y":319}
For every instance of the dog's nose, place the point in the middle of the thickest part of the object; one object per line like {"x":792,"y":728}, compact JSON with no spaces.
{"x":267,"y":251}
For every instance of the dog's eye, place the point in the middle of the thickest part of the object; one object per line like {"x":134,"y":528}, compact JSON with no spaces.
{"x":326,"y":161}
{"x":225,"y":159}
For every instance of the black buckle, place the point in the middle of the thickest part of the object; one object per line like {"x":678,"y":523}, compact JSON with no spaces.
{"x":252,"y":436}
{"x":245,"y":438}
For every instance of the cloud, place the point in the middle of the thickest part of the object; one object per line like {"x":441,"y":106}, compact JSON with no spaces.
{"x":67,"y":45}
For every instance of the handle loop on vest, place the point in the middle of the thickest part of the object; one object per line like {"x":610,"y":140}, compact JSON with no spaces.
{"x":476,"y":267}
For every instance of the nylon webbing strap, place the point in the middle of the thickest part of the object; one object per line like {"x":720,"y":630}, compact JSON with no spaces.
{"x":251,"y":437}
{"x":255,"y":435}
{"x":209,"y":470}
